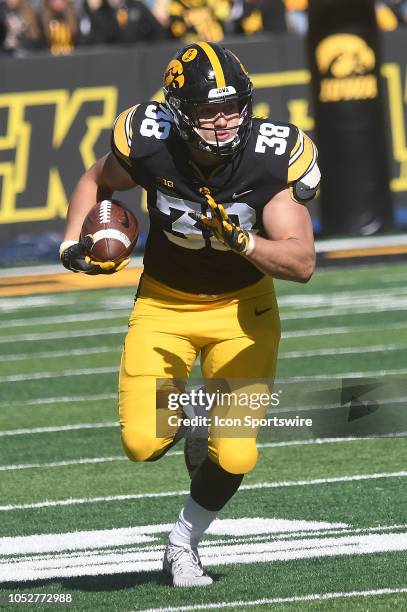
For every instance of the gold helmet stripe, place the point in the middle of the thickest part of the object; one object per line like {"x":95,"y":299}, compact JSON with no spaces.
{"x":215,"y":63}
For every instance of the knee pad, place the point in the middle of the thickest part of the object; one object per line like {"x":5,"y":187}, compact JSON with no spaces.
{"x":140,"y":446}
{"x":237,"y":456}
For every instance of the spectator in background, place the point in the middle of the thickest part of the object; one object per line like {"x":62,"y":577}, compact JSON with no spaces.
{"x":59,"y":26}
{"x":194,"y":20}
{"x":297,"y":16}
{"x":403,"y":12}
{"x":259,"y":16}
{"x":20,"y":27}
{"x":3,"y":30}
{"x":386,"y":17}
{"x":119,"y":22}
{"x":391,"y":14}
{"x":159,"y":9}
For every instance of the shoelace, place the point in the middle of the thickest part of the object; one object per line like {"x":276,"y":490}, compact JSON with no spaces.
{"x":184,"y":560}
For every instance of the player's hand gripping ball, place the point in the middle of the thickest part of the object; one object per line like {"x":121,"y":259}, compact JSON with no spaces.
{"x":109,"y":234}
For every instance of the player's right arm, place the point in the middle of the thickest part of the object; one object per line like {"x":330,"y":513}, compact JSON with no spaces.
{"x":98,"y":183}
{"x":109,"y":174}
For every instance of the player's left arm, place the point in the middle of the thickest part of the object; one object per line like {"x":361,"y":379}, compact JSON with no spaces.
{"x":288,"y":251}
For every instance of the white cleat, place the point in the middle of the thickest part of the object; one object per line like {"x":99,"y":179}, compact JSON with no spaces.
{"x":185,"y":567}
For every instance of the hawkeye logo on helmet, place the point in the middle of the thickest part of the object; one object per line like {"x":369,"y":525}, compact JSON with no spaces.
{"x":173,"y":76}
{"x":221,"y":92}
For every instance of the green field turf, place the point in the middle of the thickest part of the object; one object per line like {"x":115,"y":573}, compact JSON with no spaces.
{"x":64,"y":476}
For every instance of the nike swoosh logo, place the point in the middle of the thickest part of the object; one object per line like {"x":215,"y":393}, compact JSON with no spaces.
{"x":239,"y":195}
{"x":125,"y":222}
{"x":258,"y":312}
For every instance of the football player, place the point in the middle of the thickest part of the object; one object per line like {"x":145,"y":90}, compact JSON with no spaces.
{"x":227,"y":197}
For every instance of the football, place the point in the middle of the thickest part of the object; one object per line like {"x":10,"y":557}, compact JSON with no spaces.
{"x":114,"y":229}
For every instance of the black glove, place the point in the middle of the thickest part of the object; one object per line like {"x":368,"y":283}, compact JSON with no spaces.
{"x":74,"y":257}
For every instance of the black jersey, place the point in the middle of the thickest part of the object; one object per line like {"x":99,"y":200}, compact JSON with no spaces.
{"x":147,"y":144}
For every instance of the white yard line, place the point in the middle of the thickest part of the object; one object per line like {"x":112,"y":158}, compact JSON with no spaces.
{"x":340,"y":375}
{"x":63,"y":374}
{"x":173,"y":453}
{"x":42,"y":547}
{"x":329,"y":304}
{"x":139,"y":548}
{"x":89,"y":460}
{"x":308,"y":533}
{"x":67,"y":353}
{"x":262,"y":485}
{"x":61,"y":400}
{"x":336,"y":312}
{"x":15,"y":304}
{"x":340,"y":299}
{"x":279,"y":600}
{"x":99,"y":331}
{"x":282,"y":355}
{"x":62,"y":319}
{"x":378,"y":348}
{"x":319,"y":441}
{"x":141,"y":558}
{"x":278,"y":411}
{"x":349,"y":329}
{"x":76,"y":426}
{"x":114,"y":369}
{"x":91,"y":500}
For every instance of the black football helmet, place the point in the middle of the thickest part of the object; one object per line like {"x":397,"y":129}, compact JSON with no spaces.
{"x":207,"y":73}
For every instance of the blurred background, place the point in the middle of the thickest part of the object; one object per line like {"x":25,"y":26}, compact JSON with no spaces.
{"x":335,"y":68}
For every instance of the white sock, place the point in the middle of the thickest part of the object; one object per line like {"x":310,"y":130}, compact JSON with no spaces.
{"x":192,"y":522}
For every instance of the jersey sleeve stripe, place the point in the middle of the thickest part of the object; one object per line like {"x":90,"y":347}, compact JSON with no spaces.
{"x":215,"y":63}
{"x":312,"y":163}
{"x":129,"y":125}
{"x":314,"y":159}
{"x":305,"y":157}
{"x":298,"y":148}
{"x":122,"y":132}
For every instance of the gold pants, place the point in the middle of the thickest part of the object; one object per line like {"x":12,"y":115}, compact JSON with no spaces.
{"x":237,"y":336}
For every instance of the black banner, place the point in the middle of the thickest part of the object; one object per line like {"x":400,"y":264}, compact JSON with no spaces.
{"x":347,"y":93}
{"x":56,"y":114}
